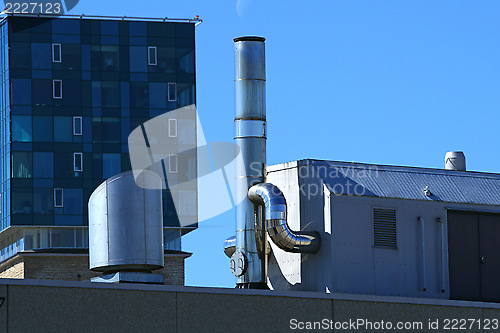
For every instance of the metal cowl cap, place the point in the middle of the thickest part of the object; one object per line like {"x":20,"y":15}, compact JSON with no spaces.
{"x":249,"y":39}
{"x":455,"y":160}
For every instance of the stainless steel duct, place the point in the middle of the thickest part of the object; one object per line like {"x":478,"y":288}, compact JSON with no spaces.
{"x":126,"y":228}
{"x":249,"y":261}
{"x":230,"y":246}
{"x":270,"y":196}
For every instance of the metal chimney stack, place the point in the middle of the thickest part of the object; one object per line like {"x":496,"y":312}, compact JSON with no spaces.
{"x":249,"y":262}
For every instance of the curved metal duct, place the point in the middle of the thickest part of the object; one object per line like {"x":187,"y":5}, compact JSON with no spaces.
{"x":230,"y":246}
{"x":272,"y":198}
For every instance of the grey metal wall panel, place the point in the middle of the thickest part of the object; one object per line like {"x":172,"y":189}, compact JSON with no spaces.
{"x":285,"y":269}
{"x":347,"y":261}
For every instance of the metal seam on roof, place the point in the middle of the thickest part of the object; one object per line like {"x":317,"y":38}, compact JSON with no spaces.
{"x":402,"y":182}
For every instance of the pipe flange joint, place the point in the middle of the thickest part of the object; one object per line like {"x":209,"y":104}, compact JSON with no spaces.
{"x":238,"y":263}
{"x":249,"y":128}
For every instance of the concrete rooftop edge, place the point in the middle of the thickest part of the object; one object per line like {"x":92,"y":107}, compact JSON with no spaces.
{"x":247,"y":292}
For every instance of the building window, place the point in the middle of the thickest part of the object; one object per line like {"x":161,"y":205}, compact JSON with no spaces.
{"x":172,"y":163}
{"x":58,"y":197}
{"x":22,"y":164}
{"x":172,"y":128}
{"x":57,"y":89}
{"x":152,"y":55}
{"x":111,"y":164}
{"x":56,"y":53}
{"x":172,"y":92}
{"x":77,"y":126}
{"x":384,"y":227}
{"x":77,"y":161}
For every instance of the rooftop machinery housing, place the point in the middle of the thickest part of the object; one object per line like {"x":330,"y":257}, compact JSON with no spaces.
{"x":359,"y":228}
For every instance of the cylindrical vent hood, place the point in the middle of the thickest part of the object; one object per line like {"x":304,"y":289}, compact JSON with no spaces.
{"x":455,"y":160}
{"x":126,"y":224}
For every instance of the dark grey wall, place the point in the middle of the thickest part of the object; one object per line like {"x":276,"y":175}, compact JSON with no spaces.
{"x":64,"y":306}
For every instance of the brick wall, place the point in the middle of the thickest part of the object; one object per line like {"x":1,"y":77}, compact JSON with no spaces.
{"x":12,"y":269}
{"x":58,"y":267}
{"x":173,"y":273}
{"x":75,"y":267}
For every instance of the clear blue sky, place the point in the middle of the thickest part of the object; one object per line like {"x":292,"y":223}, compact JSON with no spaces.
{"x":388,"y":82}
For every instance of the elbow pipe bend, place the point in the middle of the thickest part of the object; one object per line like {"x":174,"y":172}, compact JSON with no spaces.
{"x":270,"y":196}
{"x":230,"y":246}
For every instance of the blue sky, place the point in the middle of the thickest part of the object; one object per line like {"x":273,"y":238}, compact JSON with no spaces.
{"x":385,"y":82}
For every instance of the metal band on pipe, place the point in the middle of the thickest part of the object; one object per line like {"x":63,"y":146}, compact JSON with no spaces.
{"x":249,"y":128}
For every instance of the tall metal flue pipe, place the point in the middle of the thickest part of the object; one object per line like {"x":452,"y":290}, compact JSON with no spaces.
{"x":249,"y":262}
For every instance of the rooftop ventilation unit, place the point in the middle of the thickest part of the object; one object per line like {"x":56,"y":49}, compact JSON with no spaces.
{"x":262,"y":210}
{"x":126,"y":229}
{"x":455,"y":160}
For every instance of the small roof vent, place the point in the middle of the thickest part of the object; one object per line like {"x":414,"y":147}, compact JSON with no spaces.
{"x":455,"y":160}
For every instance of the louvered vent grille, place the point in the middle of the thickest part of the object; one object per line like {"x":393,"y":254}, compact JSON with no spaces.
{"x":384,"y":227}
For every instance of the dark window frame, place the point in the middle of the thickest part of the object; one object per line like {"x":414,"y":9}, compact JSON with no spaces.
{"x":172,"y":128}
{"x":59,"y":56}
{"x":171,"y":163}
{"x":54,"y":82}
{"x":150,"y":62}
{"x":56,"y":205}
{"x":75,"y":164}
{"x":169,"y":95}
{"x":77,"y":130}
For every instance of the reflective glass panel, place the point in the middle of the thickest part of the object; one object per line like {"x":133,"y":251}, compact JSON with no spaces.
{"x":71,"y":53}
{"x":43,"y":165}
{"x":63,"y":129}
{"x":73,"y":201}
{"x":110,"y":94}
{"x":42,"y":129}
{"x":21,"y":91}
{"x":111,"y":165}
{"x":21,"y":128}
{"x":40,"y":56}
{"x":139,"y":95}
{"x":22,"y":165}
{"x":110,"y":58}
{"x":62,"y":238}
{"x":22,"y":201}
{"x":138,"y":59}
{"x":43,"y":201}
{"x":110,"y":130}
{"x":157,"y":95}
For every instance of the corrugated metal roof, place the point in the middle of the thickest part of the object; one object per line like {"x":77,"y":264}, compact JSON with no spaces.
{"x":402,"y":182}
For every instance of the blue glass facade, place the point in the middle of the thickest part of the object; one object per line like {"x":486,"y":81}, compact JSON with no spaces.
{"x":72,"y":90}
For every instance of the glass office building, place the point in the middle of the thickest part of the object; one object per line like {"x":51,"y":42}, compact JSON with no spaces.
{"x":71,"y":91}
